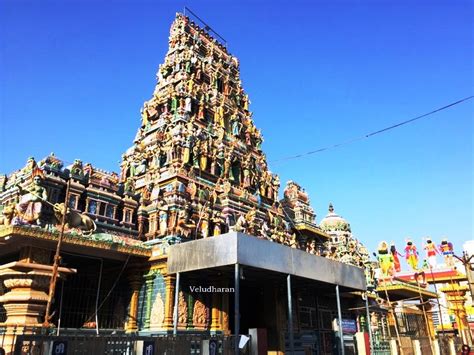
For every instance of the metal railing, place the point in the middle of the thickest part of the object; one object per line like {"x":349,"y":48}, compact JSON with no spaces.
{"x":31,"y":341}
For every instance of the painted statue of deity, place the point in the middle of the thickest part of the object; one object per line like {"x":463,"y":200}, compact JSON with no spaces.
{"x":246,"y":172}
{"x":332,"y":253}
{"x":163,"y":216}
{"x":236,"y":125}
{"x":188,"y":145}
{"x":293,"y":241}
{"x":265,"y":230}
{"x":219,"y":116}
{"x":201,"y":111}
{"x":250,"y":218}
{"x":203,"y":158}
{"x":217,"y":221}
{"x":204,"y":224}
{"x":411,"y":255}
{"x":28,"y":210}
{"x":447,"y":250}
{"x":30,"y":166}
{"x":385,"y":259}
{"x":396,"y":259}
{"x":431,"y":252}
{"x":174,"y":104}
{"x":188,"y":104}
{"x":196,"y":152}
{"x":241,"y":224}
{"x":227,"y":167}
{"x":311,"y":247}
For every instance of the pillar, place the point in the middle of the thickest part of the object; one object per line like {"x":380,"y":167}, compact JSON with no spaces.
{"x":290,"y":314}
{"x":278,"y":346}
{"x":169,"y":298}
{"x":339,"y":317}
{"x":142,"y":220}
{"x":176,"y":305}
{"x":149,"y":279}
{"x":236,"y":304}
{"x":26,"y":286}
{"x":190,"y":304}
{"x":456,"y":297}
{"x":225,"y":314}
{"x":215,"y":312}
{"x":135,"y":282}
{"x":368,"y":321}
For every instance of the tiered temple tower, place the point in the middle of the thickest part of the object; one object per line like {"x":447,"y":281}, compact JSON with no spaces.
{"x":196,"y":163}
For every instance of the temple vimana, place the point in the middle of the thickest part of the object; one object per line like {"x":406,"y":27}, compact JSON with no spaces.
{"x":195,"y":172}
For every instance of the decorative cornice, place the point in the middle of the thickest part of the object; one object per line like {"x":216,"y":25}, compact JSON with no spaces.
{"x":41,"y":234}
{"x":302,"y":226}
{"x":406,"y":287}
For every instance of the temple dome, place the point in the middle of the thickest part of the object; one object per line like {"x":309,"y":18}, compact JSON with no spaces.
{"x":333,"y":222}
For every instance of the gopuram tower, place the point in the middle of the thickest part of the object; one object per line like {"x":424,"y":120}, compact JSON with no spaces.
{"x":196,"y":162}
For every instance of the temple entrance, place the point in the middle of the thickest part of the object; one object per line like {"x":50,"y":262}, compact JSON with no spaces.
{"x":78,"y":297}
{"x":262,"y":306}
{"x":252,"y":308}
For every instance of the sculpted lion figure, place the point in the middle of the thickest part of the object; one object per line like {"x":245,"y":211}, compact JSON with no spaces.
{"x":75,"y":219}
{"x":7,"y":215}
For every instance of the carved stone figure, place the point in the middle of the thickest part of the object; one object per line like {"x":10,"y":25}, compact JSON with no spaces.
{"x":74,"y":219}
{"x":6,"y":218}
{"x":447,"y":250}
{"x":129,"y":186}
{"x":157,"y":315}
{"x":199,"y":315}
{"x":265,"y":230}
{"x":411,"y":255}
{"x":240,"y":225}
{"x":217,"y":220}
{"x":28,"y":210}
{"x":185,"y":225}
{"x":204,"y":224}
{"x":250,"y":219}
{"x":182,"y":309}
{"x":431,"y":252}
{"x":163,"y":217}
{"x":385,"y":259}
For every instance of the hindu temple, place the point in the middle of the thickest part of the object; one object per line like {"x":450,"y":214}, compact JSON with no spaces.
{"x":191,"y":236}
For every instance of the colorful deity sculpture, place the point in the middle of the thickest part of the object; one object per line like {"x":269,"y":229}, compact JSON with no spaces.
{"x":431,"y":252}
{"x":447,"y":250}
{"x":28,"y":210}
{"x":411,"y":255}
{"x":395,"y":255}
{"x":385,"y":259}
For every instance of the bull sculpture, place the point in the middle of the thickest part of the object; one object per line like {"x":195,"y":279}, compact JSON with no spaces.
{"x":74,"y":219}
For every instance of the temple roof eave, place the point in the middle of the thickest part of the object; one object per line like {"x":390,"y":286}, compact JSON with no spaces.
{"x":403,"y":291}
{"x":313,"y":230}
{"x":105,"y":247}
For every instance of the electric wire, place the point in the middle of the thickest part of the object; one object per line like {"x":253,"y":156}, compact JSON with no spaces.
{"x":371,"y":134}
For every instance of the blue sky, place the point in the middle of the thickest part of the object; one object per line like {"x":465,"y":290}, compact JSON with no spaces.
{"x":74,"y":75}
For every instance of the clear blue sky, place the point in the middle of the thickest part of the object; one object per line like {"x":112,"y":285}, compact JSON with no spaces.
{"x":74,"y":75}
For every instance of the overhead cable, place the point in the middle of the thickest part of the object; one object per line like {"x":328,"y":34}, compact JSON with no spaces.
{"x":371,"y":134}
